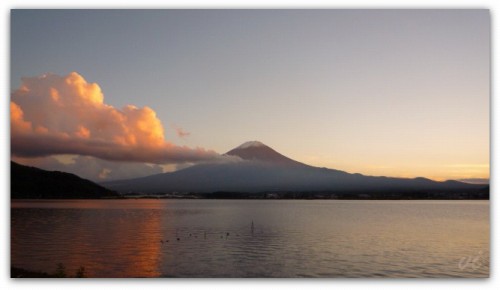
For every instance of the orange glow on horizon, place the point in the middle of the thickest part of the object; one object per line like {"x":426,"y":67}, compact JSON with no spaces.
{"x":437,"y":173}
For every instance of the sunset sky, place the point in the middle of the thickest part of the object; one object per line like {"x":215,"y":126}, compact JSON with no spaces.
{"x":401,"y":93}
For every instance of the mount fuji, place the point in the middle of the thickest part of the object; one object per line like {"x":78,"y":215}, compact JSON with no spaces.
{"x":255,"y":167}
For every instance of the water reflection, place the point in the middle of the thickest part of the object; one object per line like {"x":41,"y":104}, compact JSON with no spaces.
{"x":108,"y":243}
{"x":214,"y":238}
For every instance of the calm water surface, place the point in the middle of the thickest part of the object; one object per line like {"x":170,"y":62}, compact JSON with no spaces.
{"x":214,"y":238}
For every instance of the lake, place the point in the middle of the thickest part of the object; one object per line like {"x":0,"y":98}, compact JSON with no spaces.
{"x":252,"y":238}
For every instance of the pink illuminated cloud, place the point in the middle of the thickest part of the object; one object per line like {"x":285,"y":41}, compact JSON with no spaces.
{"x":53,"y":114}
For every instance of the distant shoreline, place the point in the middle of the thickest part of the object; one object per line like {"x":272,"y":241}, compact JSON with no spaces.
{"x":234,"y":198}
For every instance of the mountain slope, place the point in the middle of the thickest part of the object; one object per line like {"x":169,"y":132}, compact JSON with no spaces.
{"x":263,"y":169}
{"x":32,"y":182}
{"x":257,"y":151}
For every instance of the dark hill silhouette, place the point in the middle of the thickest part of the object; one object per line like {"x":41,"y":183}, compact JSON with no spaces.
{"x":262,"y":169}
{"x":32,"y":182}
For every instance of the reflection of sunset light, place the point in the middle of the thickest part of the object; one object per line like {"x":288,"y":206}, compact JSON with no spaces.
{"x":134,"y":240}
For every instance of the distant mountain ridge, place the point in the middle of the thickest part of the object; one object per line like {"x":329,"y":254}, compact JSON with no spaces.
{"x":32,"y":182}
{"x":262,"y":169}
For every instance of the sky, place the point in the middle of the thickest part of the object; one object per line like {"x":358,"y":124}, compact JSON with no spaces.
{"x":401,"y":93}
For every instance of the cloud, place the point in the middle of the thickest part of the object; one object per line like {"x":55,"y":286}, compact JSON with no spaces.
{"x":53,"y":114}
{"x":100,"y":170}
{"x":475,"y":180}
{"x":181,"y":133}
{"x":93,"y":168}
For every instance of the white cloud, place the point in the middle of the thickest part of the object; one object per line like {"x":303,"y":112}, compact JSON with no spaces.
{"x":93,"y":168}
